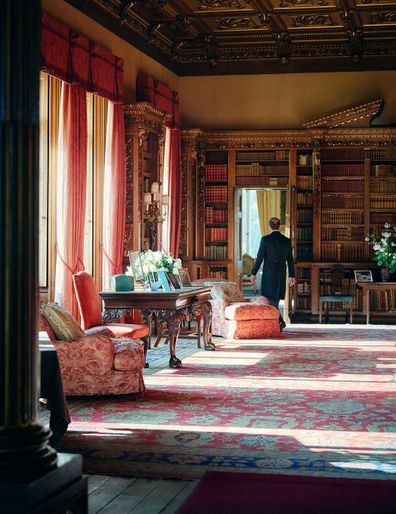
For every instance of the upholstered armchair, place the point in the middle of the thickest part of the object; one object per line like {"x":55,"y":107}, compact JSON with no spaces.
{"x":98,"y":364}
{"x":90,"y":307}
{"x":236,"y":318}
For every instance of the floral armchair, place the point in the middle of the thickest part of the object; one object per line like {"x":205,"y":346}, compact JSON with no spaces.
{"x":98,"y":364}
{"x":236,"y":318}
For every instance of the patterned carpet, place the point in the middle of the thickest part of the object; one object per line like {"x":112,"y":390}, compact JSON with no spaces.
{"x":319,"y":400}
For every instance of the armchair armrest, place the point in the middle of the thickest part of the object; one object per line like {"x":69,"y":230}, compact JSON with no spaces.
{"x":91,"y":354}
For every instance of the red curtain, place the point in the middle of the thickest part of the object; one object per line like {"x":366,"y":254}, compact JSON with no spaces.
{"x":114,"y":192}
{"x":73,"y":58}
{"x":71,"y":193}
{"x":174,"y":192}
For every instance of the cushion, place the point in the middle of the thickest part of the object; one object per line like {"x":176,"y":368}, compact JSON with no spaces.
{"x":44,"y":326}
{"x":259,"y":329}
{"x":250,"y":311}
{"x":128,"y":330}
{"x":129,"y":355}
{"x":89,"y":302}
{"x":228,"y":291}
{"x":62,"y":322}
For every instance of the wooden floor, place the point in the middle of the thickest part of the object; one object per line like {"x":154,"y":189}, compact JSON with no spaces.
{"x":117,"y":495}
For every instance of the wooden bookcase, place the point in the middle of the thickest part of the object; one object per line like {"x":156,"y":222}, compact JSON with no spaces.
{"x":144,"y":141}
{"x":341,"y":185}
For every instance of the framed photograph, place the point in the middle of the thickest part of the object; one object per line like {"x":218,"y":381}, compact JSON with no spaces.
{"x":165,"y":282}
{"x":173,"y":279}
{"x":184,"y":277}
{"x":136,"y":265}
{"x":363,"y":275}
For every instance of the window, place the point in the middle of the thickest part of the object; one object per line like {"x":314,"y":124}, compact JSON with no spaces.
{"x":50,"y":89}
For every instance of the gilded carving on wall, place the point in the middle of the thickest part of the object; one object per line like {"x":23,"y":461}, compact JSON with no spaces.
{"x":129,"y":207}
{"x":201,"y":184}
{"x":310,"y":20}
{"x":128,"y":160}
{"x":222,"y":4}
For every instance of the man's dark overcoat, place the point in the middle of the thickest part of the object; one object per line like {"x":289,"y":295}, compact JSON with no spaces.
{"x":275,"y":250}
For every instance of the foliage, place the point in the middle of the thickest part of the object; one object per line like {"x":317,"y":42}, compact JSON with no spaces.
{"x":384,"y":248}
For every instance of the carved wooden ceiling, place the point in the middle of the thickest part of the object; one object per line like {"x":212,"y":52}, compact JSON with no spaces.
{"x":201,"y":37}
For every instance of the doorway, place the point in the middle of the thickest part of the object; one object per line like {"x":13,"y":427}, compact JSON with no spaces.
{"x":254,"y":208}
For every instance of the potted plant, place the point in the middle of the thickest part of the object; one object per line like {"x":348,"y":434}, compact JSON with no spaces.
{"x":384,"y":248}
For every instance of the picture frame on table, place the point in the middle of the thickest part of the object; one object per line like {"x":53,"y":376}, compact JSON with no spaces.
{"x":136,"y":265}
{"x":174,"y":281}
{"x":165,"y":283}
{"x":155,"y":281}
{"x":184,"y":277}
{"x":363,"y":275}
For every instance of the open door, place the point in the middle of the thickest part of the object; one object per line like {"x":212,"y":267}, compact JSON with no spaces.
{"x":238,"y":237}
{"x":290,"y":232}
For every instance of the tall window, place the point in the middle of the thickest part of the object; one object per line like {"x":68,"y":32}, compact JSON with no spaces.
{"x":50,"y":88}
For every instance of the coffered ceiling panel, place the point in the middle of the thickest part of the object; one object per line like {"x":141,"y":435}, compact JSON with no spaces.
{"x":198,"y":37}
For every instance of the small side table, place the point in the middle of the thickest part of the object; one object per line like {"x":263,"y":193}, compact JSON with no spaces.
{"x":374,"y":286}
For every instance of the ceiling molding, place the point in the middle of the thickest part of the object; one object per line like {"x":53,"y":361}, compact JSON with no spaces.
{"x":212,"y":37}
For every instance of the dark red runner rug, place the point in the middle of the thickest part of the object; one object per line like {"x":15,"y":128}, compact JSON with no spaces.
{"x":248,"y":493}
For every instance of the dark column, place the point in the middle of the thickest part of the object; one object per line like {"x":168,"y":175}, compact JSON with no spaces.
{"x":33,"y":478}
{"x":24,"y":449}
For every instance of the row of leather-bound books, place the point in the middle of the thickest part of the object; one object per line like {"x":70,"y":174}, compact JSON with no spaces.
{"x":216,"y":172}
{"x":350,"y":252}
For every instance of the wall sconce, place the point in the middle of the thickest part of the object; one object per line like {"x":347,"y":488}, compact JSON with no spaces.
{"x":153,"y":202}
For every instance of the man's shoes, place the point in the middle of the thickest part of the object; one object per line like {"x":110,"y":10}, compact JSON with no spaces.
{"x":282,"y":325}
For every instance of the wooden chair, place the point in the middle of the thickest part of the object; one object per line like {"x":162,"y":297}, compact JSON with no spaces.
{"x":336,"y":286}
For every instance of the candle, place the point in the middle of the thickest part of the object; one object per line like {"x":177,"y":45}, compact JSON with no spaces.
{"x":147,"y":198}
{"x":155,"y":187}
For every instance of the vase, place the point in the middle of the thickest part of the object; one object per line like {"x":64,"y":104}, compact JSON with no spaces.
{"x":386,"y":275}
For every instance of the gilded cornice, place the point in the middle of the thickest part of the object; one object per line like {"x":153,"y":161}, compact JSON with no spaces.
{"x":145,"y":115}
{"x":356,"y":115}
{"x":256,"y":139}
{"x":190,"y":136}
{"x":298,"y":138}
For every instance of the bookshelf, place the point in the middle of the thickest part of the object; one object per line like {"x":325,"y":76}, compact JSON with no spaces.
{"x":264,"y":168}
{"x":144,"y":142}
{"x":216,"y":214}
{"x":341,"y":185}
{"x":304,"y":229}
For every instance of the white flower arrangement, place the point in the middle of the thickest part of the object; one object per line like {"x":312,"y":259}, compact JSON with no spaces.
{"x":159,"y":261}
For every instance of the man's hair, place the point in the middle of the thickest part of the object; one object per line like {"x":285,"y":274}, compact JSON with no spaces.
{"x":274,"y":223}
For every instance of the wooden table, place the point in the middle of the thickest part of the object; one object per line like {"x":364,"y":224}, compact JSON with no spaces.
{"x":171,"y":308}
{"x":374,"y":286}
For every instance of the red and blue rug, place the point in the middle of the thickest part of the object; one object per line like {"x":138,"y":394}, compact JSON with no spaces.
{"x":319,"y":400}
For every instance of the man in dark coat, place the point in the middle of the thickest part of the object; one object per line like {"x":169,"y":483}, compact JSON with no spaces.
{"x":275,"y":250}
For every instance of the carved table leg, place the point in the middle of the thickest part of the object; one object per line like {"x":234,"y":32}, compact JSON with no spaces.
{"x":174,"y":330}
{"x":207,"y":325}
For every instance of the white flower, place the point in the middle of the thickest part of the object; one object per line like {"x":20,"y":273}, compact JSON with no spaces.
{"x":178,"y":263}
{"x":175,"y":271}
{"x":367,"y":238}
{"x":376,"y":248}
{"x":387,"y":225}
{"x":386,"y":234}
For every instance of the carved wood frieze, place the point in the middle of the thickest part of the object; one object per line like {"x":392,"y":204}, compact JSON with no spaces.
{"x":146,"y":116}
{"x":298,"y":138}
{"x":205,"y":36}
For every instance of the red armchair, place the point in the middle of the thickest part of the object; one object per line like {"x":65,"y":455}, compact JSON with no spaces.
{"x":90,"y":307}
{"x":98,"y":364}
